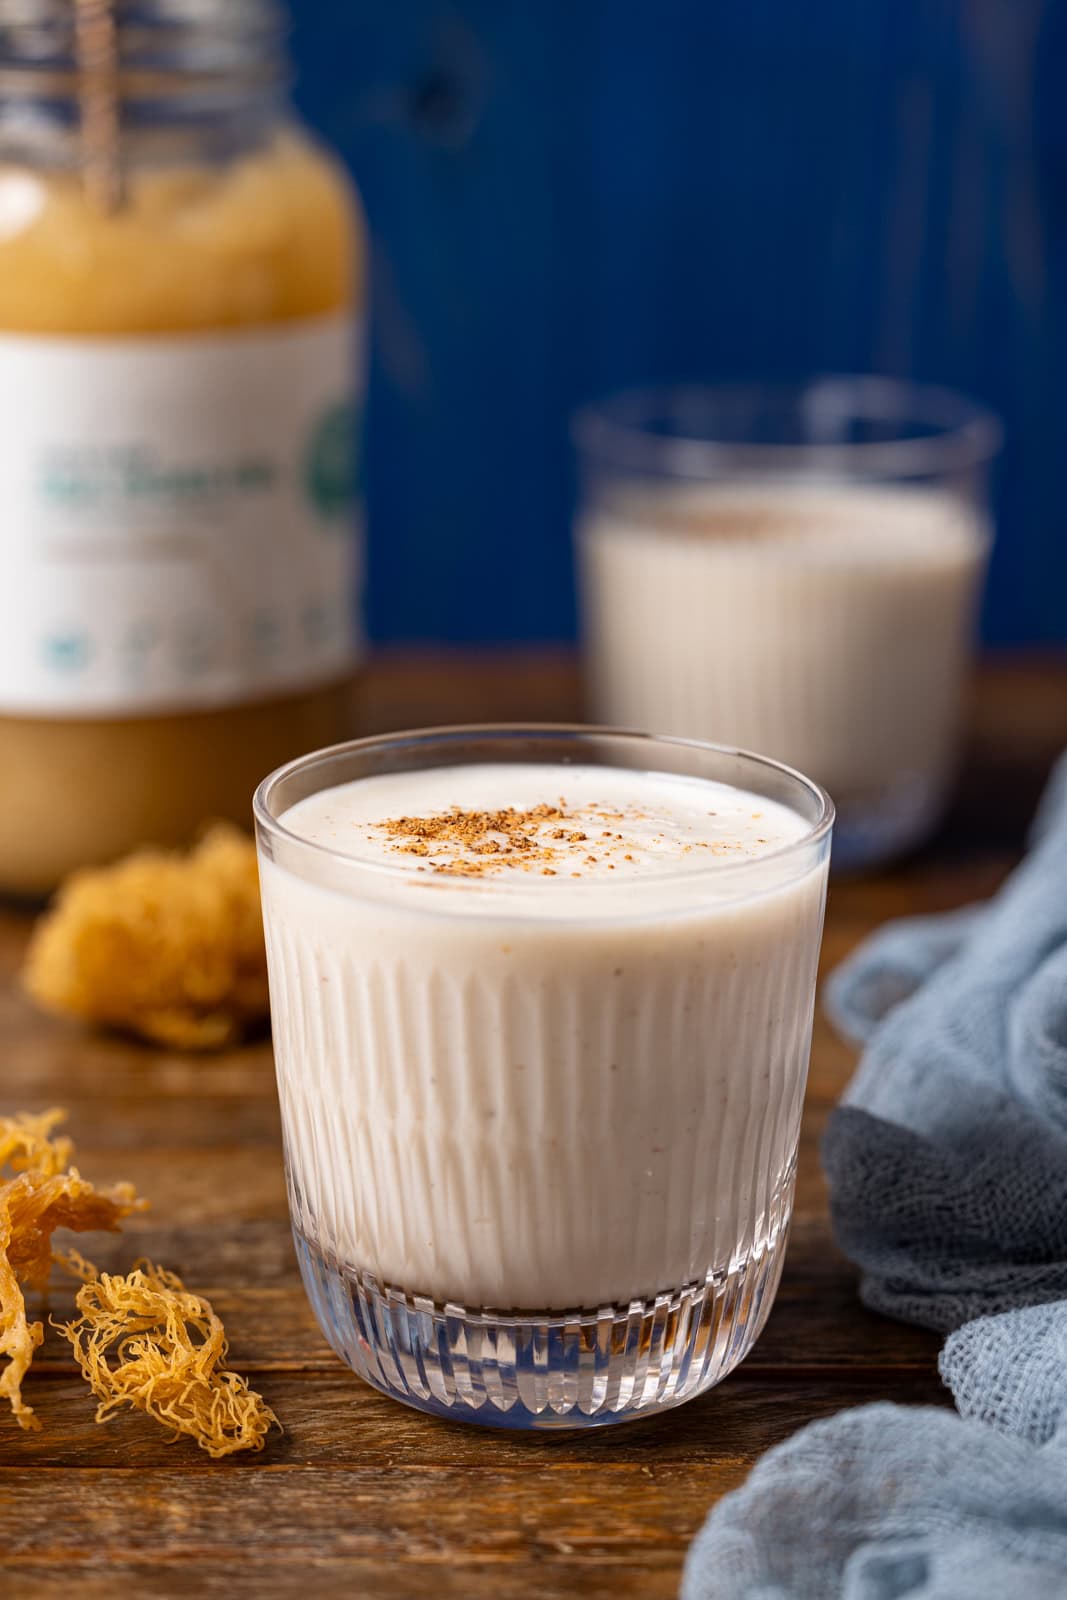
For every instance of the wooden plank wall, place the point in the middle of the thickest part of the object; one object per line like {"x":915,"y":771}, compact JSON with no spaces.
{"x":569,"y":195}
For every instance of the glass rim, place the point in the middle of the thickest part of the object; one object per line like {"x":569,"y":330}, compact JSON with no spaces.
{"x":614,"y":431}
{"x":460,"y":733}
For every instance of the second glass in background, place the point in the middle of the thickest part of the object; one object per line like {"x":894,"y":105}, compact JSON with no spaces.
{"x":793,"y":570}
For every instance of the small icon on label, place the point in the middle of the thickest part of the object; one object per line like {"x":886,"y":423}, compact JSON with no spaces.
{"x":331,"y":473}
{"x":266,"y":635}
{"x":135,"y":648}
{"x":67,"y":652}
{"x":198,"y":646}
{"x":139,"y":638}
{"x":318,"y":623}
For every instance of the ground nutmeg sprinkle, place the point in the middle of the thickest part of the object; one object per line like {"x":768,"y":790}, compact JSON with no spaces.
{"x":488,"y":839}
{"x":541,"y":838}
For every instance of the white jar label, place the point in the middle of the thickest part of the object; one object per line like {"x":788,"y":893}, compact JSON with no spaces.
{"x":178,"y":524}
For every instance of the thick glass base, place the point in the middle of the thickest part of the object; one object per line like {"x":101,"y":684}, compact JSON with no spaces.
{"x":550,"y":1371}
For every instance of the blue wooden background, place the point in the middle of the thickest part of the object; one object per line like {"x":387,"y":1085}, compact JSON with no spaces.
{"x":570,"y":195}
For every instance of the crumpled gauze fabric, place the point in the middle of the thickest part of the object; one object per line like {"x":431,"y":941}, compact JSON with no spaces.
{"x":947,"y":1162}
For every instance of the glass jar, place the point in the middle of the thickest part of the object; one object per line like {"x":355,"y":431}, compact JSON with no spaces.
{"x":181,"y":288}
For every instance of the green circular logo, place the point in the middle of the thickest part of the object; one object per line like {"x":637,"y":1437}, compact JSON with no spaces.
{"x":331,"y":474}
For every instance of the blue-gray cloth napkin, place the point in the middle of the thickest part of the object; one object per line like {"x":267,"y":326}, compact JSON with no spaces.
{"x":947,"y":1162}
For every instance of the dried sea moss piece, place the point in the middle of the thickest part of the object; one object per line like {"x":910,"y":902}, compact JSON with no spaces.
{"x":35,"y":1200}
{"x":144,"y":1340}
{"x":164,"y":945}
{"x":26,"y":1143}
{"x":35,"y":1206}
{"x":19,"y":1337}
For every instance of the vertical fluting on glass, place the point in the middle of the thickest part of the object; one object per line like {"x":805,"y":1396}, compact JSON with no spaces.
{"x":526,"y":1194}
{"x":541,"y":1152}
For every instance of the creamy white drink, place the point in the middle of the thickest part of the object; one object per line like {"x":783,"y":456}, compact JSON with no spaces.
{"x":829,"y":625}
{"x":542,"y":1031}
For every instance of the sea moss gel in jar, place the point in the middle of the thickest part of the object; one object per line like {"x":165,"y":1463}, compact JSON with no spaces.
{"x":180,"y":299}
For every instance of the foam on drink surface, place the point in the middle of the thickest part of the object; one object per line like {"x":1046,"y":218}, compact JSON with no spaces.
{"x":543,"y":823}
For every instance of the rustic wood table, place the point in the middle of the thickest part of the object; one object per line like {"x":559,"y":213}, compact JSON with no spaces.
{"x":361,"y":1496}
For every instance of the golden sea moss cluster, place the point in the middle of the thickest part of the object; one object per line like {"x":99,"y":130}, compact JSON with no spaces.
{"x":165,"y":945}
{"x":141,"y":1339}
{"x":42,"y":1193}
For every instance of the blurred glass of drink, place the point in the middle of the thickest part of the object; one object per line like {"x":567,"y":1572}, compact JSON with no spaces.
{"x":794,"y":570}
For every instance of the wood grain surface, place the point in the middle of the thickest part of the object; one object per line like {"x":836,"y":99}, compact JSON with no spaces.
{"x":360,"y":1496}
